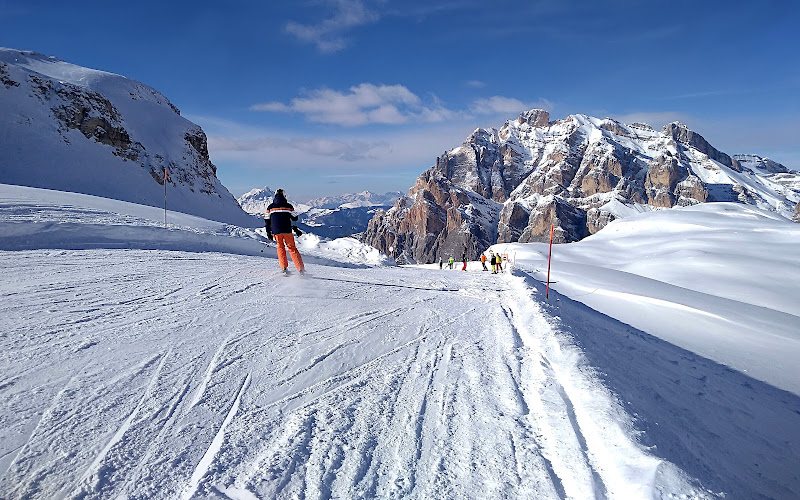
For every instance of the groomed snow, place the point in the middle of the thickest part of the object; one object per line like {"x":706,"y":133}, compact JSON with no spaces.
{"x":132,"y":370}
{"x":718,"y":279}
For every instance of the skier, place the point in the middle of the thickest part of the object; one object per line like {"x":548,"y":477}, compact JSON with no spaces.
{"x":483,"y":261}
{"x":464,"y":259}
{"x":499,"y":263}
{"x":440,"y":263}
{"x":493,"y":262}
{"x":451,"y":262}
{"x":278,"y":221}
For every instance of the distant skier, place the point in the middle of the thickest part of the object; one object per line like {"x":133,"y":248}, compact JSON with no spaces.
{"x":493,"y":262}
{"x":278,"y":222}
{"x":451,"y":262}
{"x":440,"y":263}
{"x":499,"y":263}
{"x":483,"y":262}
{"x":464,"y":259}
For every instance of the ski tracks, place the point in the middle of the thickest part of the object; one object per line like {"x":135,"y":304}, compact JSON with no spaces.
{"x":587,"y":441}
{"x":204,"y":465}
{"x":407,"y":390}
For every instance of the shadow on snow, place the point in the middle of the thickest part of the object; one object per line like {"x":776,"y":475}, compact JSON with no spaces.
{"x":734,"y":433}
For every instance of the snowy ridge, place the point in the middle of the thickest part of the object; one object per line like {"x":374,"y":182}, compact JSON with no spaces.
{"x":605,"y":136}
{"x":76,"y":129}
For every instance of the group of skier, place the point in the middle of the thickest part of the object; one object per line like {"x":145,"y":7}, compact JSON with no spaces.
{"x":495,"y":260}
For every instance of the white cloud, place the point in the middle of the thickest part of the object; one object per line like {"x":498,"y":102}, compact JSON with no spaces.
{"x":361,"y":105}
{"x":506,"y":105}
{"x":347,"y":151}
{"x":368,"y":103}
{"x":475,"y":84}
{"x":328,"y":35}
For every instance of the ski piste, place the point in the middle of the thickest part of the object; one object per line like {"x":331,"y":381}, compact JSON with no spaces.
{"x":400,"y":404}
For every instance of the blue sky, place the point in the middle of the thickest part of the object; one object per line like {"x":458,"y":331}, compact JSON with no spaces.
{"x":324,"y":97}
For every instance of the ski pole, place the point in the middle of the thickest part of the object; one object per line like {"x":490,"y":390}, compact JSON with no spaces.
{"x":265,"y":246}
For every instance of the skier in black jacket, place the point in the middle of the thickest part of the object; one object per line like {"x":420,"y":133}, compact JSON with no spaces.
{"x":278,"y":222}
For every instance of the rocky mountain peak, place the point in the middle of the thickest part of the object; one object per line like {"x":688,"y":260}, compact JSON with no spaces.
{"x":579,"y":174}
{"x":681,"y":134}
{"x":536,"y":118}
{"x":256,"y":201}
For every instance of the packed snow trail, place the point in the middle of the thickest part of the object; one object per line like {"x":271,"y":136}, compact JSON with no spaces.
{"x":143,"y":374}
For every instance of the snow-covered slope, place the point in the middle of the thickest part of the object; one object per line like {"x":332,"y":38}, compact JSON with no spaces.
{"x":718,"y":279}
{"x":199,"y":372}
{"x":76,"y":129}
{"x":39,"y":218}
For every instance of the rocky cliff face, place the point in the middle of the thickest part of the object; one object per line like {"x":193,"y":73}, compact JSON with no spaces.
{"x":579,"y":174}
{"x":71,"y":128}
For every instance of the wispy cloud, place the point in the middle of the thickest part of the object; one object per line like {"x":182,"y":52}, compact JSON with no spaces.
{"x":258,"y":148}
{"x":506,"y":105}
{"x":329,"y":35}
{"x":476,"y":84}
{"x":361,"y":105}
{"x":367,"y":104}
{"x":348,"y":151}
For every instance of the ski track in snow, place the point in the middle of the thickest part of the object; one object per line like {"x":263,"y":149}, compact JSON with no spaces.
{"x":211,"y":377}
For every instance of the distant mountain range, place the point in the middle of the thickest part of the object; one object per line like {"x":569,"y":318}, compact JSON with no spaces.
{"x":362,"y":199}
{"x":70,"y":128}
{"x":578,"y":174}
{"x":329,"y":217}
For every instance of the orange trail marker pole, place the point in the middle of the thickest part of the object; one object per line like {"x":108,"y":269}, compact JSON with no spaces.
{"x":165,"y":197}
{"x":549,"y":256}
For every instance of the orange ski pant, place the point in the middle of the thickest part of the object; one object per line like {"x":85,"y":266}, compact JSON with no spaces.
{"x":288,"y":240}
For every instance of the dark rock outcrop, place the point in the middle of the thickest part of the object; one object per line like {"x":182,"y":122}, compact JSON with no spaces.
{"x":569,"y":222}
{"x":5,"y":78}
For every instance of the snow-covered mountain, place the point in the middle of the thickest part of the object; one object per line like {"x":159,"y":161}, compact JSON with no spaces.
{"x":354,"y":200}
{"x":341,"y":221}
{"x":71,"y":128}
{"x":256,"y":200}
{"x":579,"y":173}
{"x":328,"y":217}
{"x":345,"y":215}
{"x":144,"y":362}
